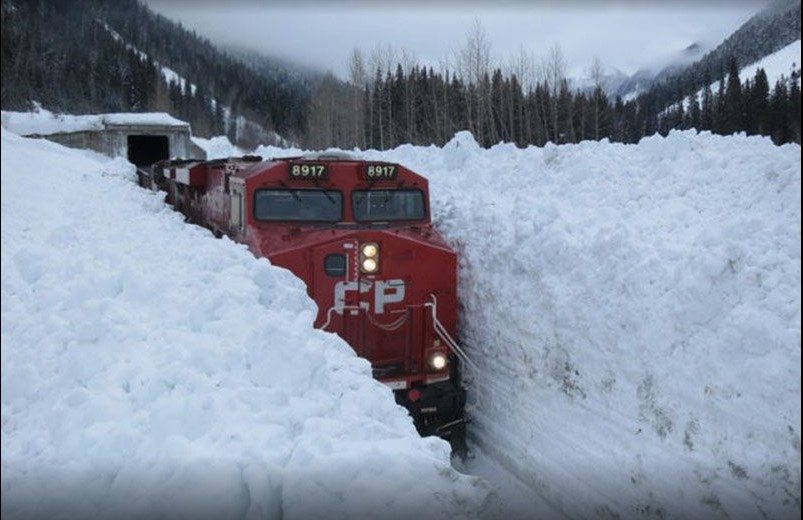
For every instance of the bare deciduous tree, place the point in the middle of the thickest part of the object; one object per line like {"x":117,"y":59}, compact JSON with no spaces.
{"x":358,"y":79}
{"x":473,"y":65}
{"x":596,"y":73}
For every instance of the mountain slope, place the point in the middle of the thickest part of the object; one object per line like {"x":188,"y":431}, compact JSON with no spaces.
{"x":109,"y":60}
{"x":770,"y":30}
{"x":643,"y":79}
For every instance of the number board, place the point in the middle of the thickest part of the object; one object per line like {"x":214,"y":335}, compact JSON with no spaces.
{"x":378,"y":172}
{"x":308,"y":171}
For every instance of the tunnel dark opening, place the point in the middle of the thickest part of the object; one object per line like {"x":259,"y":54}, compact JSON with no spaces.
{"x":144,"y":150}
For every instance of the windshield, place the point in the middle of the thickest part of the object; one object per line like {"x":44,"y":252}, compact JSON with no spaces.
{"x":384,"y":205}
{"x":298,"y":205}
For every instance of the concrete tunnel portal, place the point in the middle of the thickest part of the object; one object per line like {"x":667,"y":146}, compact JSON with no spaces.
{"x":144,"y":150}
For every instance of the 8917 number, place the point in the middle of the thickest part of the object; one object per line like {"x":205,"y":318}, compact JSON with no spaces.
{"x":308,"y":171}
{"x":380,"y":171}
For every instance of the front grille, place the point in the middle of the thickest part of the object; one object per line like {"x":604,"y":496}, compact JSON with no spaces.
{"x":382,"y":371}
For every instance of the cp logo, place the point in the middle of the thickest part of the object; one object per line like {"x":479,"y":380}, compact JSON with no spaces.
{"x":385,"y":292}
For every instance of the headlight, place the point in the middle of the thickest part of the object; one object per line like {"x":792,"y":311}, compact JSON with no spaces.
{"x":438,"y":361}
{"x":369,"y":257}
{"x":370,"y":250}
{"x":369,"y":265}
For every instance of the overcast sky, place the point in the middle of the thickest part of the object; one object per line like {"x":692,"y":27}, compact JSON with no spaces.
{"x":626,"y":34}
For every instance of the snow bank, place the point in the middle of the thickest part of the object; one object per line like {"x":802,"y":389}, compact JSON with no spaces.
{"x":218,"y":147}
{"x":150,"y":370}
{"x":635,"y":311}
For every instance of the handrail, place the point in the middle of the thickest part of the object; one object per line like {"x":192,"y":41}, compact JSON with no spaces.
{"x":446,"y":337}
{"x":440,"y":330}
{"x":386,"y":327}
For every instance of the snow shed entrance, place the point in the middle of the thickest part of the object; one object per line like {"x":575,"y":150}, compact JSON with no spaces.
{"x":144,"y":150}
{"x":142,"y":138}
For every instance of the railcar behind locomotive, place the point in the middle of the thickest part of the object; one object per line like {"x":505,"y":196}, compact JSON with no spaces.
{"x":360,"y":236}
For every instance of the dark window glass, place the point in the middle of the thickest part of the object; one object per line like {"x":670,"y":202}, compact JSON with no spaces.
{"x":385,"y":205}
{"x":298,"y":205}
{"x":335,"y":265}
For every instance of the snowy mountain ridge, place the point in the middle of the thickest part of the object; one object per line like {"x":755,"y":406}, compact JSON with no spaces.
{"x":235,"y":127}
{"x":615,"y":82}
{"x":769,"y":30}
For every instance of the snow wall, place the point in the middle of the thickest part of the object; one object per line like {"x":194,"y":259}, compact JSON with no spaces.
{"x":635,"y":314}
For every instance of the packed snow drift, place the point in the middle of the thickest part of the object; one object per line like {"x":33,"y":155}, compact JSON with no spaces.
{"x":634,"y":311}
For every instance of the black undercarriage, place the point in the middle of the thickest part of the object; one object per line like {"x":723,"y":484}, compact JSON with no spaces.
{"x":440,"y":410}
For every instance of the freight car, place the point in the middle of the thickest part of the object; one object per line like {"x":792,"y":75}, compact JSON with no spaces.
{"x":359,"y":234}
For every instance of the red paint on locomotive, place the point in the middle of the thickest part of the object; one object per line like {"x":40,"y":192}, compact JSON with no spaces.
{"x":360,"y":236}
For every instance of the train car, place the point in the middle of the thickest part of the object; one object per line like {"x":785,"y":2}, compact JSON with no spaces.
{"x":360,"y":236}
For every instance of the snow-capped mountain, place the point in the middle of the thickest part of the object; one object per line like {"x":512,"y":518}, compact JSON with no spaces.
{"x":644,"y":79}
{"x":768,"y":31}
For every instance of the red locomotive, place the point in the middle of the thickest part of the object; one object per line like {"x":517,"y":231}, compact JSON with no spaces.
{"x":359,"y":234}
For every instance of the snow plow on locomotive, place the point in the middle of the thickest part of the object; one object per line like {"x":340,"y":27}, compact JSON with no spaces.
{"x":359,"y":234}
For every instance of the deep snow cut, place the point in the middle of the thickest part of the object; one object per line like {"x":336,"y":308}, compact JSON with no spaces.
{"x":634,"y":310}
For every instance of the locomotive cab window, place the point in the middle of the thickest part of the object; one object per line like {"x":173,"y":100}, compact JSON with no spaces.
{"x":388,"y":205}
{"x":298,"y":205}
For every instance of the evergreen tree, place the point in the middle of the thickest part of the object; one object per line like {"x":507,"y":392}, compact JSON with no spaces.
{"x":707,"y":108}
{"x":779,"y":125}
{"x":733,"y":111}
{"x":695,"y":116}
{"x":794,"y":107}
{"x":757,"y":106}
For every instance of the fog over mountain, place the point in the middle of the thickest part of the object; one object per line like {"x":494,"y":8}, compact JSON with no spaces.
{"x":769,"y":30}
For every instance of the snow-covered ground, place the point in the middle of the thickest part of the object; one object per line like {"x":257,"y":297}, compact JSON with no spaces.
{"x":634,"y":310}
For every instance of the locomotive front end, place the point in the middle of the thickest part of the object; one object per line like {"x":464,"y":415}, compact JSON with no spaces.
{"x":359,"y":234}
{"x":383,"y":278}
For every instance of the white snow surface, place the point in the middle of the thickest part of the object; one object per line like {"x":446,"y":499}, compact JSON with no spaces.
{"x":778,"y":64}
{"x":218,"y":147}
{"x":44,"y":122}
{"x":152,"y":371}
{"x":634,"y":311}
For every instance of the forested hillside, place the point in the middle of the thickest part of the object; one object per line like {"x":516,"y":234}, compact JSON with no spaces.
{"x":89,"y":56}
{"x":418,"y":105}
{"x":534,"y":103}
{"x":768,"y":31}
